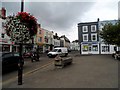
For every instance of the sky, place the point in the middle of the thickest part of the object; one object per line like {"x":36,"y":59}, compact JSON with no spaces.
{"x":62,"y":17}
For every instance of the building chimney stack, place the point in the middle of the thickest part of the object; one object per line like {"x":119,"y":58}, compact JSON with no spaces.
{"x":3,"y":13}
{"x":98,"y":19}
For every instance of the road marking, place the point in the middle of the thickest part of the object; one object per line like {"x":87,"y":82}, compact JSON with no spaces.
{"x":30,"y":72}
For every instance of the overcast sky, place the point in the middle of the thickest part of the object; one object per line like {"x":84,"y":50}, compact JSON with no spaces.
{"x":63,"y":17}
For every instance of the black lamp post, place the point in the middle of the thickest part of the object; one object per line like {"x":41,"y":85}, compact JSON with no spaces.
{"x":20,"y":63}
{"x":22,"y":5}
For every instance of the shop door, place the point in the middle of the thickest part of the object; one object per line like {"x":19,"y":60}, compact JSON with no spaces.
{"x":89,"y":49}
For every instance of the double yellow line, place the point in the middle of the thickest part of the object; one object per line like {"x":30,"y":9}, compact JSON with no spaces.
{"x":27,"y":73}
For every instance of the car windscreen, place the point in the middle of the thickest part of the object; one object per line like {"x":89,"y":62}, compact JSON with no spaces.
{"x":55,"y":50}
{"x":16,"y":54}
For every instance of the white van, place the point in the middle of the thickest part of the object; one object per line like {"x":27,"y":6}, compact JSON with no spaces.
{"x":62,"y":51}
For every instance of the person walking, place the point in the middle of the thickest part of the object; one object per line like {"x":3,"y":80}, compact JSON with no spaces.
{"x":33,"y":54}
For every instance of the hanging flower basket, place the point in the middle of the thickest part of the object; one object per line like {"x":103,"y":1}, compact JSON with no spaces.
{"x":29,"y":20}
{"x":21,"y":27}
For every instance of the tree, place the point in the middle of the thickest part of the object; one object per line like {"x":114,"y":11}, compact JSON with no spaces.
{"x":111,"y":34}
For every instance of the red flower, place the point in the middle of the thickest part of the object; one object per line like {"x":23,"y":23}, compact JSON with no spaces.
{"x":30,"y":20}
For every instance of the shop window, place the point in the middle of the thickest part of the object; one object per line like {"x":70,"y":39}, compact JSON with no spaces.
{"x":85,"y":48}
{"x":105,"y":48}
{"x":95,"y":47}
{"x":40,"y":39}
{"x":6,"y":48}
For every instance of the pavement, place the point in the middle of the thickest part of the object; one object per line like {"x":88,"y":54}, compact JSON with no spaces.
{"x":93,"y":71}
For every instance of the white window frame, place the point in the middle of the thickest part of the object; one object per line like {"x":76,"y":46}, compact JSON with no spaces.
{"x":84,"y":29}
{"x":40,"y":31}
{"x":105,"y":48}
{"x":40,"y":38}
{"x":92,"y":27}
{"x":84,"y":37}
{"x":92,"y":37}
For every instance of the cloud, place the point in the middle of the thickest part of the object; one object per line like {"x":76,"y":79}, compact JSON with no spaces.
{"x":103,"y":10}
{"x":63,"y":17}
{"x":58,"y":15}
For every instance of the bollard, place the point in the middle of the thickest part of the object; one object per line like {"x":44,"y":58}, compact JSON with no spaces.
{"x":20,"y":71}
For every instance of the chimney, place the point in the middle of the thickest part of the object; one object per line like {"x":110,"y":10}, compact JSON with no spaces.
{"x":3,"y":12}
{"x":98,"y":19}
{"x":39,"y":25}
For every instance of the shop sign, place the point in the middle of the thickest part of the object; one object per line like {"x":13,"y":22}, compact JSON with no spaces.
{"x":5,"y":41}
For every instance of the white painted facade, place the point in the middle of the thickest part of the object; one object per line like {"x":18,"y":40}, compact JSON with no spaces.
{"x":5,"y":43}
{"x":74,"y":46}
{"x":107,"y":49}
{"x":56,"y":42}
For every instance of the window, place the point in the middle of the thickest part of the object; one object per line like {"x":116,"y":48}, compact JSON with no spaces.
{"x":105,"y":48}
{"x":85,"y":48}
{"x":39,"y":31}
{"x":85,"y":37}
{"x":46,"y":33}
{"x":85,"y":28}
{"x":8,"y":55}
{"x":93,"y":28}
{"x":95,"y":48}
{"x":3,"y":24}
{"x":2,"y":35}
{"x":94,"y":37}
{"x":40,"y":39}
{"x":59,"y":50}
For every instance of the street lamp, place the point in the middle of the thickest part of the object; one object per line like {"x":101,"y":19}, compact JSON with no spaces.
{"x":22,"y":5}
{"x":20,"y":64}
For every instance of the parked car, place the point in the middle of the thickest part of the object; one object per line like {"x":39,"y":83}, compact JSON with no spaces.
{"x":10,"y":60}
{"x":62,"y":51}
{"x":116,"y":55}
{"x":27,"y":54}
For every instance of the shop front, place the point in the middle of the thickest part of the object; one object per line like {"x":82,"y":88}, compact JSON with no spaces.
{"x":5,"y":45}
{"x":90,"y":48}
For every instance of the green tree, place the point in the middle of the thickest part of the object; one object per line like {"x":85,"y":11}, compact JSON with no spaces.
{"x":111,"y":34}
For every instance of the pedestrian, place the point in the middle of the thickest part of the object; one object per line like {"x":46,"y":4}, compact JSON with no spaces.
{"x":33,"y":54}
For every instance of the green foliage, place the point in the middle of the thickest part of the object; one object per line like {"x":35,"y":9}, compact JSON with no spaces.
{"x":111,"y":34}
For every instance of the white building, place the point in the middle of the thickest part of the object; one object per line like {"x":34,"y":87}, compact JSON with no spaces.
{"x":105,"y":48}
{"x":65,"y":42}
{"x":56,"y":40}
{"x":48,"y":40}
{"x":74,"y":46}
{"x":5,"y":43}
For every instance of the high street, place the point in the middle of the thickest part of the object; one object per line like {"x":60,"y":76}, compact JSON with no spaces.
{"x":88,"y":71}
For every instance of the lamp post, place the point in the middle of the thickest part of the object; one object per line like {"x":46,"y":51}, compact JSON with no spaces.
{"x":22,"y":5}
{"x":20,"y":63}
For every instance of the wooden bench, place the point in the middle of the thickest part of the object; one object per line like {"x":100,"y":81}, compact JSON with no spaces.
{"x":62,"y":61}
